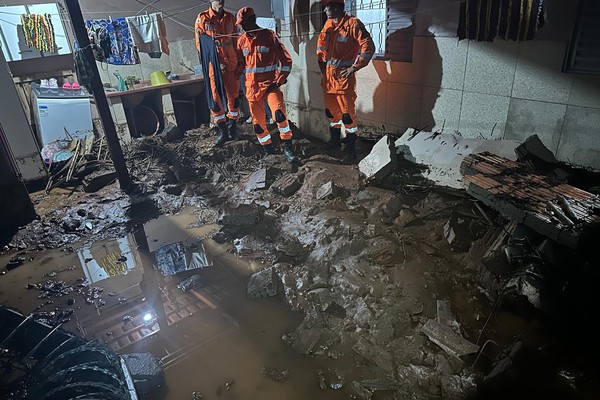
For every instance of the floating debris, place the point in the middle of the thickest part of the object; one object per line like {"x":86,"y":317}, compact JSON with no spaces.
{"x":275,"y":374}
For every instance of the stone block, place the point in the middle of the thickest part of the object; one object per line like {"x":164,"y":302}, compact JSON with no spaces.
{"x":243,"y":216}
{"x":448,"y":340}
{"x":287,"y":185}
{"x":262,"y":284}
{"x":381,"y":161}
{"x":330,"y":191}
{"x":257,"y":181}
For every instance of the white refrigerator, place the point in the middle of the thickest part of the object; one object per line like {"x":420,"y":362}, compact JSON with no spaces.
{"x":61,"y":114}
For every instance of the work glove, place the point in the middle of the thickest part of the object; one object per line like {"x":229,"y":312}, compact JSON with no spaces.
{"x":347,"y":72}
{"x":273,"y":87}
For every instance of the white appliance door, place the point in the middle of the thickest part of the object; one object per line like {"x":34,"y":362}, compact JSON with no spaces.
{"x":64,"y":119}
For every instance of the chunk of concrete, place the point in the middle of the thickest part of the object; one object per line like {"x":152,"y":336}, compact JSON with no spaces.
{"x":243,"y":216}
{"x":330,"y":191}
{"x":448,"y":340}
{"x":262,"y":284}
{"x":533,"y":148}
{"x":375,"y":354}
{"x":287,"y":185}
{"x":257,"y":181}
{"x":306,"y":336}
{"x":381,"y":161}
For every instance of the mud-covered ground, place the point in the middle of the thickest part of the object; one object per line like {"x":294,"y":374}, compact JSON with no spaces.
{"x":368,"y":265}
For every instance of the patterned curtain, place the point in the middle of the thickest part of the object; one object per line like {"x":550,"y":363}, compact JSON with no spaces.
{"x":486,"y":20}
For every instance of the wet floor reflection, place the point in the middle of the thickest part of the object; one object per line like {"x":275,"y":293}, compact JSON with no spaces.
{"x":206,"y":336}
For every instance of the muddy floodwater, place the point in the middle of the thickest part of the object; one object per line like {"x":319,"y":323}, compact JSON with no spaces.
{"x":211,"y":340}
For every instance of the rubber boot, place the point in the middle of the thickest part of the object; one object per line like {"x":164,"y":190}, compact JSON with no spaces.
{"x":350,"y":147}
{"x":334,"y":142}
{"x":288,"y":151}
{"x":223,"y":134}
{"x":268,"y":148}
{"x":233,"y":129}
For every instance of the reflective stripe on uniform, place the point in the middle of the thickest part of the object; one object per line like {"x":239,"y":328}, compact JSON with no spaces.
{"x":263,"y":49}
{"x":258,"y":70}
{"x":352,"y":130}
{"x":284,"y":129}
{"x":342,"y":39}
{"x":218,"y":118}
{"x":335,"y":123}
{"x":322,"y":48}
{"x":234,"y":113}
{"x":366,"y":56}
{"x":285,"y":68}
{"x":264,"y":139}
{"x":340,"y":63}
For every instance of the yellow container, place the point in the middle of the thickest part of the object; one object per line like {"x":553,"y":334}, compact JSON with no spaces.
{"x":158,"y":78}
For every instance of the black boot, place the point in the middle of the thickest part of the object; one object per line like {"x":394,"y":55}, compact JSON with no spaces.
{"x":232,"y":126}
{"x":350,"y":148}
{"x":223,"y":134}
{"x":268,"y":148}
{"x":334,"y":142}
{"x":288,"y":151}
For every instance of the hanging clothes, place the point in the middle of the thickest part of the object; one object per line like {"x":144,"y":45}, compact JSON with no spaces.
{"x":39,"y":32}
{"x":83,"y":69}
{"x":486,"y":20}
{"x":210,"y":57}
{"x":521,"y":19}
{"x":149,"y":34}
{"x":117,"y":33}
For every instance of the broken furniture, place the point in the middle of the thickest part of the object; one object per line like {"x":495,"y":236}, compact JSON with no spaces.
{"x":559,"y":211}
{"x":144,"y":110}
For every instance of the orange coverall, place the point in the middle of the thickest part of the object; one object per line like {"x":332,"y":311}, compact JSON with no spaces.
{"x":224,"y":32}
{"x":267,"y":65}
{"x":340,"y":46}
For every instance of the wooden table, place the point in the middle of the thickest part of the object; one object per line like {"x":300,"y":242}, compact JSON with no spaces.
{"x":159,"y":98}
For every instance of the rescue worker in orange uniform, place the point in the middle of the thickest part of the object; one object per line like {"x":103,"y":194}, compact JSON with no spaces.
{"x":267,"y":65}
{"x":220,"y":25}
{"x":344,"y":46}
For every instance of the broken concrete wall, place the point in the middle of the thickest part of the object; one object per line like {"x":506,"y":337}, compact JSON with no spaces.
{"x":490,"y":90}
{"x":444,"y":153}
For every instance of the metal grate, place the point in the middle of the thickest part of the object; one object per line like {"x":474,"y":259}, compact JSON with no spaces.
{"x":390,"y":23}
{"x":583,"y":54}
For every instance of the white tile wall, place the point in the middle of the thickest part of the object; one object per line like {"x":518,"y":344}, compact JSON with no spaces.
{"x":539,"y":75}
{"x":580,"y":141}
{"x":527,"y":117}
{"x":483,"y":115}
{"x":491,"y":67}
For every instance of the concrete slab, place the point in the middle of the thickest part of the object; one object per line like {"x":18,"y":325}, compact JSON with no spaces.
{"x":448,"y":340}
{"x":381,"y":161}
{"x":444,"y":153}
{"x":262,"y":284}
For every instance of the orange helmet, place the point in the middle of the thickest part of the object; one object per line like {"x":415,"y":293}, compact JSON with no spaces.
{"x":243,"y":14}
